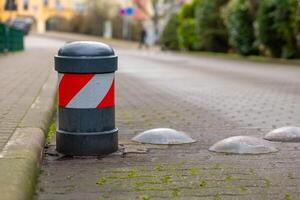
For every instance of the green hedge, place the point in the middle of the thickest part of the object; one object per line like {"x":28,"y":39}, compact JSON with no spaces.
{"x":187,"y":36}
{"x":210,"y":26}
{"x":247,"y":27}
{"x":277,"y":28}
{"x":169,"y":39}
{"x":239,"y":24}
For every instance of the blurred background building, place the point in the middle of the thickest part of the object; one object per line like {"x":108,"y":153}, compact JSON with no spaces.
{"x":40,"y":11}
{"x":122,"y":19}
{"x":235,"y":26}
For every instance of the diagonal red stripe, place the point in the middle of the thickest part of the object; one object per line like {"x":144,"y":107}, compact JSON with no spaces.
{"x":70,"y":85}
{"x":109,"y":99}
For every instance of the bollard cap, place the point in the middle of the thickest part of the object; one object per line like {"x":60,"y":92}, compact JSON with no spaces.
{"x":86,"y":57}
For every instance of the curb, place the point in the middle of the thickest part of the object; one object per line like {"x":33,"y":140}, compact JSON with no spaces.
{"x":133,"y":45}
{"x":116,"y":43}
{"x":20,"y":158}
{"x":77,"y":36}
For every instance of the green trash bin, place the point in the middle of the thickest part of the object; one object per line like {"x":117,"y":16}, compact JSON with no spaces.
{"x":11,"y":39}
{"x":3,"y":38}
{"x":16,"y":41}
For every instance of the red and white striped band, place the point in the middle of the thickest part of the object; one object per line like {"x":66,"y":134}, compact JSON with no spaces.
{"x":86,"y":90}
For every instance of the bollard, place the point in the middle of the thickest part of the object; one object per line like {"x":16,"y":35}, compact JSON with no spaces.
{"x":86,"y":110}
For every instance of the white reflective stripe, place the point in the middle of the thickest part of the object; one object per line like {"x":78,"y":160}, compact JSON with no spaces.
{"x":92,"y":93}
{"x":60,"y":76}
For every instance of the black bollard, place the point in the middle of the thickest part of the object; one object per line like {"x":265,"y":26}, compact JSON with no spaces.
{"x":86,"y":102}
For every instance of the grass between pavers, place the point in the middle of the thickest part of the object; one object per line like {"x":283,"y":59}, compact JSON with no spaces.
{"x":52,"y":127}
{"x":178,"y":180}
{"x":51,"y":131}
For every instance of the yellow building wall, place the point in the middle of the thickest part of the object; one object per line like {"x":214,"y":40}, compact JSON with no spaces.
{"x":40,"y":12}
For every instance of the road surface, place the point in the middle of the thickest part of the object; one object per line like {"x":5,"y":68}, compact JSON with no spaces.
{"x":208,"y":98}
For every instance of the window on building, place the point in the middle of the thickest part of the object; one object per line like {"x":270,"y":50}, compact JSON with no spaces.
{"x":57,"y":4}
{"x":25,"y":4}
{"x":80,"y":7}
{"x":10,"y":5}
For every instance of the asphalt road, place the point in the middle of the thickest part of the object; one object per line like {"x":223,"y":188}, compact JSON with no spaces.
{"x":209,"y":98}
{"x":247,"y":94}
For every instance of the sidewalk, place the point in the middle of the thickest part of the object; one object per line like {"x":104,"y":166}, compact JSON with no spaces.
{"x":28,"y":86}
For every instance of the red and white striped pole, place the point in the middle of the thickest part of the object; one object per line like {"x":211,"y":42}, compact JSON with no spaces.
{"x":86,"y":99}
{"x":86,"y":90}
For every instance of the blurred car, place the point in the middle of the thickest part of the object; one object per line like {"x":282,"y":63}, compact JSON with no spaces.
{"x":22,"y":23}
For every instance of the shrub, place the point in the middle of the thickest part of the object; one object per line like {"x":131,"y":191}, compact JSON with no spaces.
{"x":239,"y":24}
{"x":277,"y":27}
{"x":187,"y":35}
{"x":188,"y":10}
{"x":210,"y":27}
{"x":298,"y":26}
{"x":58,"y":24}
{"x":86,"y":24}
{"x":169,"y":37}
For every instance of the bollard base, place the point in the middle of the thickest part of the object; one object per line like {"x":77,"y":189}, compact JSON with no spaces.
{"x":86,"y":144}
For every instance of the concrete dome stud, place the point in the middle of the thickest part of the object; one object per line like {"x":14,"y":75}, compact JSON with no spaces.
{"x":163,"y":136}
{"x":243,"y":145}
{"x":284,"y":134}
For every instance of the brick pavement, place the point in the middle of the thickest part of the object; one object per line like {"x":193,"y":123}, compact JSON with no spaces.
{"x":22,"y":75}
{"x":208,"y":98}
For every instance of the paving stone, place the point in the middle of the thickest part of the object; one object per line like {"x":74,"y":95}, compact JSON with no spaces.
{"x":209,"y":98}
